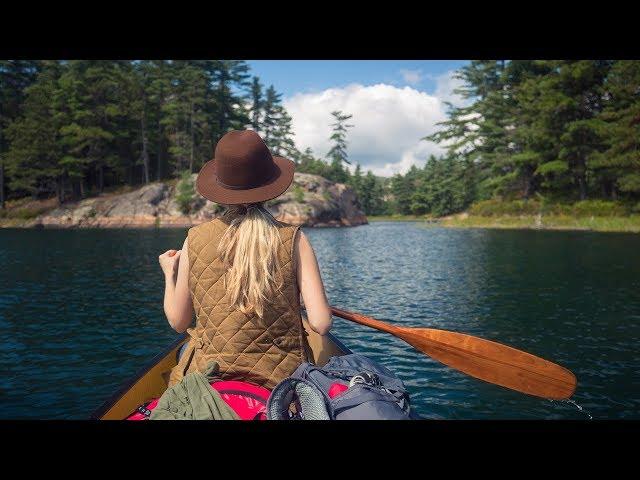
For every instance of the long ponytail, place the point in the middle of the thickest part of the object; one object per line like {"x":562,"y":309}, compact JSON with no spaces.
{"x":249,"y":250}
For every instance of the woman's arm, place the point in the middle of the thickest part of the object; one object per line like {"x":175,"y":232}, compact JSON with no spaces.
{"x":177,"y":298}
{"x":311,"y":287}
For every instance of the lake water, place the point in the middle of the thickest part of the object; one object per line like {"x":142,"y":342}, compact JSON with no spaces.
{"x":81,"y":311}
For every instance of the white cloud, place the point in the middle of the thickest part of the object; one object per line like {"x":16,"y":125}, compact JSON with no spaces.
{"x":389,"y":123}
{"x":412,"y":77}
{"x":445,"y":85}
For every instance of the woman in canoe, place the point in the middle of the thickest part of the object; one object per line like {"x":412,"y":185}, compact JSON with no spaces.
{"x":243,"y":273}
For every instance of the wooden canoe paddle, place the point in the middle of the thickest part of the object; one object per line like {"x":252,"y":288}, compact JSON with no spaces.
{"x":483,"y":359}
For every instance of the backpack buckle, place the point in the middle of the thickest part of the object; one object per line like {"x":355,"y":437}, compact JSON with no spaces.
{"x":366,"y":378}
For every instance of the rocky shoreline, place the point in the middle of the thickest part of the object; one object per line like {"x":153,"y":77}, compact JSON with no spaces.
{"x":311,"y":201}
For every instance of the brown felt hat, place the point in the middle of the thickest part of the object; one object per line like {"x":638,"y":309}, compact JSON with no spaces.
{"x":244,"y":171}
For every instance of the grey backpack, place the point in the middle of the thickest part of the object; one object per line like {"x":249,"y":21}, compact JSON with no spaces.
{"x":374,"y":393}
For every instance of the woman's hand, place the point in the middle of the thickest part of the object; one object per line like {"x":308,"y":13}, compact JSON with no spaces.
{"x":169,"y":262}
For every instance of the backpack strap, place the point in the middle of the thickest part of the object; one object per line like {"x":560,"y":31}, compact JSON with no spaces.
{"x":363,"y":395}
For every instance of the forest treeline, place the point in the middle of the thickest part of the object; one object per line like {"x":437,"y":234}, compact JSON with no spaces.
{"x":72,"y":128}
{"x":559,"y":130}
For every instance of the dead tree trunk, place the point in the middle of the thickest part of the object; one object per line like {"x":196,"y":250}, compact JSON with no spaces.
{"x":101,"y":178}
{"x":60,"y":189}
{"x":160,"y":154}
{"x":145,"y":150}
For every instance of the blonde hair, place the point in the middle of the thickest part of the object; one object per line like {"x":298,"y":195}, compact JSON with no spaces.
{"x":249,"y":250}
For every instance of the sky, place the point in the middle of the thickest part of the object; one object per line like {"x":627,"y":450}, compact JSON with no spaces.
{"x":394,"y":104}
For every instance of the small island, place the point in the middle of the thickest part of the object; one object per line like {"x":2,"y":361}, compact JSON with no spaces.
{"x":311,"y":201}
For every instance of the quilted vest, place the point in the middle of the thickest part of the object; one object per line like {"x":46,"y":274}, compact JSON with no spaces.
{"x":248,"y":348}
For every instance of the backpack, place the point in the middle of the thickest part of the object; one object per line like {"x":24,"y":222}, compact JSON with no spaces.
{"x":348,"y":387}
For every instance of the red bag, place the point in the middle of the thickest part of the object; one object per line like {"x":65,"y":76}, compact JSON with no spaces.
{"x":249,"y":401}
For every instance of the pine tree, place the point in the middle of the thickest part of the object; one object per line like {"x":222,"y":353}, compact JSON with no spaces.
{"x":15,"y":77}
{"x":444,"y":185}
{"x":307,"y":163}
{"x":461,"y":132}
{"x":271,"y":113}
{"x":185,"y":192}
{"x":618,"y":166}
{"x":281,"y":139}
{"x":90,"y":97}
{"x":184,"y":116}
{"x":374,"y":193}
{"x":131,"y":132}
{"x":338,"y":152}
{"x":230,"y":80}
{"x":356,"y":182}
{"x":527,"y":137}
{"x":140,"y":110}
{"x":356,"y":179}
{"x":275,"y":125}
{"x":159,"y":90}
{"x":568,"y":101}
{"x":33,"y":161}
{"x":402,"y":189}
{"x":256,"y":104}
{"x":483,"y":131}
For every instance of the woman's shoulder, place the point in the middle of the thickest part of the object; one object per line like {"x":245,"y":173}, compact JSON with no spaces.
{"x":289,"y":230}
{"x":289,"y":235}
{"x":207,"y":229}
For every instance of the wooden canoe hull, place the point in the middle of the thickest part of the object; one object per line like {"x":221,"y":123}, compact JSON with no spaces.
{"x":151,"y":381}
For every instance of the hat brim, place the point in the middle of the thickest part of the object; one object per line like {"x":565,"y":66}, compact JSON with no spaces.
{"x":208,"y":186}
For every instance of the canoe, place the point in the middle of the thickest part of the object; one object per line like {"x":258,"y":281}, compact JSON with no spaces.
{"x":151,"y":381}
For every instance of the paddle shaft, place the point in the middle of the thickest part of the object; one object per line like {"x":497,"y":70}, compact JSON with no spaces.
{"x":366,"y":321}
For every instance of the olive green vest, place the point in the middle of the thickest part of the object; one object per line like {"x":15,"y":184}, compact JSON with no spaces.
{"x":264,"y":350}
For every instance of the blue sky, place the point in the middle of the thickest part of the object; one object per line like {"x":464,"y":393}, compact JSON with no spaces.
{"x":296,"y":76}
{"x":394,"y":103}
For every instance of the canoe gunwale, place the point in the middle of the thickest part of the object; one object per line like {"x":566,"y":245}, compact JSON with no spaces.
{"x":129,"y":383}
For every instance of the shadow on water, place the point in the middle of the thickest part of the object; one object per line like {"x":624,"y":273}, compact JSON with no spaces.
{"x":81,"y":310}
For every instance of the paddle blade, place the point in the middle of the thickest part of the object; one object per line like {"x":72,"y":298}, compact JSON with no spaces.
{"x":493,"y":362}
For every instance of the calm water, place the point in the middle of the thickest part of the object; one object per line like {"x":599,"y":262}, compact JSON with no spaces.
{"x":81,"y":311}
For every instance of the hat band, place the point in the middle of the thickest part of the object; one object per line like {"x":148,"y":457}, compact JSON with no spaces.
{"x":246,"y":187}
